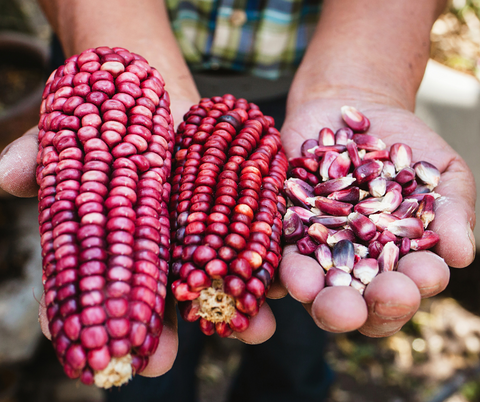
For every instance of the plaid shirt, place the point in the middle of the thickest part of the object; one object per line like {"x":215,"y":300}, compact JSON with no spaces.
{"x":262,"y":37}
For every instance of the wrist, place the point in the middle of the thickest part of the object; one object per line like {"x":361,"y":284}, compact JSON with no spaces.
{"x":367,"y":49}
{"x":305,"y":90}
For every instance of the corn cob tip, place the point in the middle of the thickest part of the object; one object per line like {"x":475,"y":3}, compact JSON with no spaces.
{"x":215,"y":305}
{"x":117,"y":373}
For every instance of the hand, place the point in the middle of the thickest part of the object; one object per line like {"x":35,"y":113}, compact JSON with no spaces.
{"x":393,"y":297}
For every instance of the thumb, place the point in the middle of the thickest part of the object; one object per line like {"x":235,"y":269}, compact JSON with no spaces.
{"x":18,"y":165}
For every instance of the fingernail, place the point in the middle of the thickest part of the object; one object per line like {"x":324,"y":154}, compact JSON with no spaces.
{"x":391,"y":312}
{"x":328,"y":328}
{"x":428,"y":291}
{"x":5,"y":150}
{"x":471,"y":237}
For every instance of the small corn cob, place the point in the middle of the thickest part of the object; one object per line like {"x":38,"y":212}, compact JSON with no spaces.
{"x":369,"y":207}
{"x":226,"y":212}
{"x":105,"y":144}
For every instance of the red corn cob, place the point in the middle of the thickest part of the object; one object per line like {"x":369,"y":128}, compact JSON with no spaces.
{"x":105,"y":143}
{"x":225,"y":214}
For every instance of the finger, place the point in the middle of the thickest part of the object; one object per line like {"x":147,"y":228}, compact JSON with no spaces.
{"x":427,"y":270}
{"x":18,"y":163}
{"x":42,"y":318}
{"x":277,"y":290}
{"x":455,"y":215}
{"x":392,"y":299}
{"x":164,"y":357}
{"x":339,"y":309}
{"x":301,"y":275}
{"x":260,"y":329}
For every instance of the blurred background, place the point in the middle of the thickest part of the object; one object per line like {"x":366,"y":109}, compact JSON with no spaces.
{"x":434,"y":358}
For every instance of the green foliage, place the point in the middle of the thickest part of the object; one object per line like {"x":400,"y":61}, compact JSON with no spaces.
{"x":471,"y":391}
{"x":460,"y":8}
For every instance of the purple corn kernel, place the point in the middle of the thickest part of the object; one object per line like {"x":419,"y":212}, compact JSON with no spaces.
{"x":354,"y":119}
{"x":299,"y":173}
{"x":343,"y":255}
{"x":309,"y":164}
{"x":388,"y":258}
{"x":365,"y":270}
{"x":312,"y":179}
{"x":326,"y":137}
{"x":332,"y":185}
{"x":293,"y":228}
{"x":383,"y":155}
{"x":388,"y":171}
{"x":356,"y":284}
{"x":298,"y":191}
{"x":349,"y":195}
{"x":329,"y":221}
{"x":325,"y":164}
{"x":363,"y":227}
{"x":352,"y":150}
{"x":401,"y":156}
{"x":342,"y":135}
{"x":426,"y":210}
{"x":405,"y":175}
{"x":406,"y":209}
{"x":343,"y":234}
{"x":385,"y":237}
{"x":391,"y":201}
{"x":332,"y":207}
{"x":427,"y":173}
{"x":422,"y":189}
{"x":323,"y":254}
{"x":409,"y":188}
{"x":307,"y":146}
{"x":370,"y":206}
{"x":340,"y":166}
{"x":306,"y":245}
{"x":318,"y":232}
{"x":369,"y":142}
{"x":321,"y":150}
{"x":337,"y":277}
{"x":304,"y":214}
{"x":374,"y":249}
{"x":408,"y":227}
{"x":405,"y":246}
{"x":377,"y":187}
{"x":368,"y":171}
{"x":428,"y":240}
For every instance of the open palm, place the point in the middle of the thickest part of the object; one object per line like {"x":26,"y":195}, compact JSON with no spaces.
{"x":392,"y":297}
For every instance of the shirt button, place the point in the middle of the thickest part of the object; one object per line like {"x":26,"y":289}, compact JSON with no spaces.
{"x":238,"y":18}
